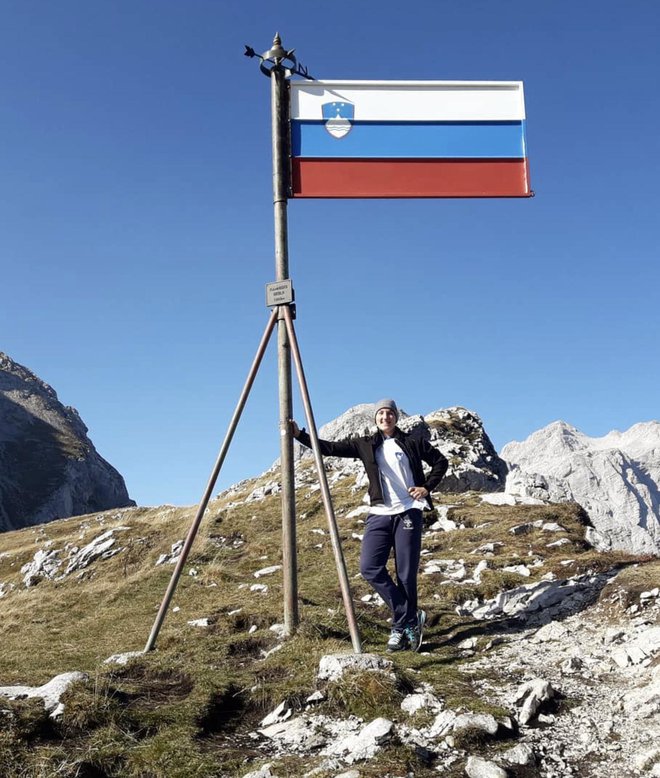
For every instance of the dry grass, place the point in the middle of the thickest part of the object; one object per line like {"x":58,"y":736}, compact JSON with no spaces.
{"x":625,"y":590}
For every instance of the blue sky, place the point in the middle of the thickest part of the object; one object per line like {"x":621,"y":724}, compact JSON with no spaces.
{"x":136,"y":225}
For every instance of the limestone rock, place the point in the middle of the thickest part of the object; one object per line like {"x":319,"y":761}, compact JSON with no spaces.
{"x":44,"y":564}
{"x":521,"y":754}
{"x":555,"y":630}
{"x":548,"y":597}
{"x":301,"y":734}
{"x":532,"y":695}
{"x":364,"y":744}
{"x":262,"y":772}
{"x":614,"y":713}
{"x":477,"y":767}
{"x":644,"y":701}
{"x":49,"y":468}
{"x":122,"y":659}
{"x":474,"y":465}
{"x":421,"y":701}
{"x":333,"y":666}
{"x":481,"y":721}
{"x":173,"y":557}
{"x":283,"y":712}
{"x":49,"y":692}
{"x":616,"y":479}
{"x":48,"y":564}
{"x":267,"y":571}
{"x":648,"y":758}
{"x":443,"y":723}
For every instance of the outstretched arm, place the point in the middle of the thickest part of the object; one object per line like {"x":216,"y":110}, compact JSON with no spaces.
{"x":332,"y":448}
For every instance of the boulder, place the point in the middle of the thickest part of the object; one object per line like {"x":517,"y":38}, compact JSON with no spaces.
{"x":477,"y":767}
{"x":364,"y":744}
{"x":333,"y":666}
{"x":421,"y":701}
{"x":485,"y":722}
{"x":531,"y":696}
{"x":521,"y":754}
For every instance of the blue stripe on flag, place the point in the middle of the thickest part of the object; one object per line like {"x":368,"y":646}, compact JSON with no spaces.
{"x":411,"y":140}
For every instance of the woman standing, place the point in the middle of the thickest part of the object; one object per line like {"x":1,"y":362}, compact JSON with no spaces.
{"x":398,"y":493}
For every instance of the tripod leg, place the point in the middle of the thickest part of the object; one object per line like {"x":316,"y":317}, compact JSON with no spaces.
{"x":325,"y":491}
{"x":192,"y":532}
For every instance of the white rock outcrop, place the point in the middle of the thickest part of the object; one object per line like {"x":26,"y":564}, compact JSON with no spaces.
{"x":49,"y":692}
{"x":49,"y":564}
{"x":543,"y":597}
{"x":616,"y":479}
{"x":333,"y":666}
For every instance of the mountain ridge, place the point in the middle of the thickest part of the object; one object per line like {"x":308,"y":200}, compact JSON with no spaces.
{"x":49,"y":468}
{"x":615,"y":477}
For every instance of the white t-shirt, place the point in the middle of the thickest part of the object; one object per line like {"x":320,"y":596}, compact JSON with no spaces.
{"x":396,"y":478}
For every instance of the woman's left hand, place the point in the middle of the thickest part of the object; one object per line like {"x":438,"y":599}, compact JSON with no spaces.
{"x":418,"y":492}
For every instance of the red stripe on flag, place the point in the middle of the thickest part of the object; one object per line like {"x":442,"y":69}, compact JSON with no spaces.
{"x":410,"y":178}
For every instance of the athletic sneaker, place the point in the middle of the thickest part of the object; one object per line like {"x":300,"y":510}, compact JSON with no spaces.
{"x":415,"y":634}
{"x":398,"y":641}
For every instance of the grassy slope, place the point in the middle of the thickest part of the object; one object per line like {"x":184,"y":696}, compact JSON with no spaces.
{"x":185,"y":709}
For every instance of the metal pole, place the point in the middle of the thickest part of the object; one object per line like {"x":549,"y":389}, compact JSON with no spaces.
{"x":325,"y":490}
{"x":280,"y":116}
{"x":192,"y":532}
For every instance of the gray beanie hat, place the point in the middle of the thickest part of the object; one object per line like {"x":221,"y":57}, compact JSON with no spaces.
{"x":386,"y":403}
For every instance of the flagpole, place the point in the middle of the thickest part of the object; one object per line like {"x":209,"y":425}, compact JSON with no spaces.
{"x":280,"y":118}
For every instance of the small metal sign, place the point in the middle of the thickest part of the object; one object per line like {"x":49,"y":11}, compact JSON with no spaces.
{"x":279,"y":293}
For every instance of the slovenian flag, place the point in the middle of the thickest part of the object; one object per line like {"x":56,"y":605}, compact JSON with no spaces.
{"x":408,"y":139}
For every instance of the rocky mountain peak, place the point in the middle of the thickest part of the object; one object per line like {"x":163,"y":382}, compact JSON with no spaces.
{"x":559,"y":435}
{"x":18,"y":378}
{"x":616,"y":479}
{"x":49,"y":467}
{"x":356,"y":421}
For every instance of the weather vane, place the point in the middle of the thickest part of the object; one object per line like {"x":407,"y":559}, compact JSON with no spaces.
{"x":275,"y":56}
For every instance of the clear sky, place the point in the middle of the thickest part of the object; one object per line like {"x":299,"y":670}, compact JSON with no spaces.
{"x":136,"y":225}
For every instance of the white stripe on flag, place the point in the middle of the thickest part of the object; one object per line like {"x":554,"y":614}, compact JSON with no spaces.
{"x":412,"y":100}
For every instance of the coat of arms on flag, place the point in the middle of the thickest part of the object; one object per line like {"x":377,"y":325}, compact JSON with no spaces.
{"x":338,"y":117}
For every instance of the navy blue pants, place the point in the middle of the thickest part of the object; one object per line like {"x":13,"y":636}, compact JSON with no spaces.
{"x":403,"y":533}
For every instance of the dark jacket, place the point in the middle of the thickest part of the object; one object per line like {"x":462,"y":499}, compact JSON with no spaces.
{"x":418,"y":451}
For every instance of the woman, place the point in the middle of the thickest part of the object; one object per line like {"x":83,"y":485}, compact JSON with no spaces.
{"x":398,"y":493}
